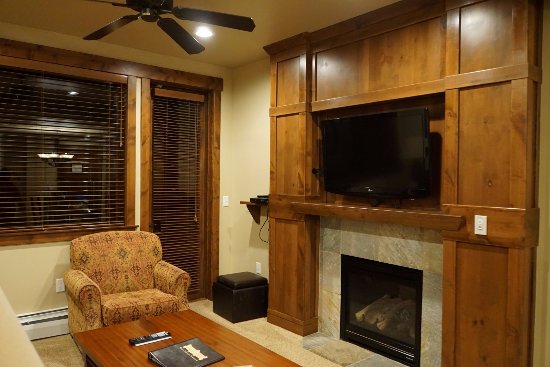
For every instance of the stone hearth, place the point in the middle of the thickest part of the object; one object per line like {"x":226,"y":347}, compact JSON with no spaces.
{"x":412,"y":247}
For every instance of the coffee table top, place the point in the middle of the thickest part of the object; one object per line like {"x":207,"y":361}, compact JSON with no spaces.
{"x":108,"y":347}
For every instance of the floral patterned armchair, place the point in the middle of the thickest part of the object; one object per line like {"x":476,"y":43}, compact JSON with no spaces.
{"x":119,"y":276}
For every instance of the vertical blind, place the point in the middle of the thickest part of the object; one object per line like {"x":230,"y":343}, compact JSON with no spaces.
{"x":176,"y":184}
{"x":61,"y":151}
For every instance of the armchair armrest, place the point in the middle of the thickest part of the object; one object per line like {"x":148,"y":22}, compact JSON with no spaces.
{"x":83,"y":300}
{"x":171,"y":279}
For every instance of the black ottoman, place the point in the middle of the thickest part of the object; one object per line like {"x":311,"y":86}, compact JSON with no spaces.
{"x":240,"y":296}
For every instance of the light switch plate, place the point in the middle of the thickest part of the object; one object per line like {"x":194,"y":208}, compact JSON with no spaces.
{"x":480,"y":225}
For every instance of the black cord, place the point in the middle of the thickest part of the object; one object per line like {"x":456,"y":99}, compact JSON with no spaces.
{"x":265,"y":221}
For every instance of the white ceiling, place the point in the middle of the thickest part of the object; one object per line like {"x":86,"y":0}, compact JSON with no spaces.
{"x":275,"y":20}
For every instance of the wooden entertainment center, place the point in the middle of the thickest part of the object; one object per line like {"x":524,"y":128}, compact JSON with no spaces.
{"x":476,"y":66}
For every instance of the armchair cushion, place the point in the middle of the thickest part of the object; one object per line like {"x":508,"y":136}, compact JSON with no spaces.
{"x":119,"y":276}
{"x":129,"y":306}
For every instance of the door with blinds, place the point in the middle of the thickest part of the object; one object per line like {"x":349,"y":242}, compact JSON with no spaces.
{"x":177,"y":198}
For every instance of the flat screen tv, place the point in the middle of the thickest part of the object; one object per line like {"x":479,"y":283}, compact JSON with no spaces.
{"x":383,"y":155}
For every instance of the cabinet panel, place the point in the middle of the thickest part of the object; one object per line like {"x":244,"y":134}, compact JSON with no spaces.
{"x":486,"y":35}
{"x":290,"y":155}
{"x":406,"y":56}
{"x":288,"y":82}
{"x":342,"y":71}
{"x":286,"y":254}
{"x":481,"y":299}
{"x":484,"y":154}
{"x":293,"y":274}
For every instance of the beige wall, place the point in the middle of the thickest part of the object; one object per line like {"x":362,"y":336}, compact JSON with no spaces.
{"x":245,"y":169}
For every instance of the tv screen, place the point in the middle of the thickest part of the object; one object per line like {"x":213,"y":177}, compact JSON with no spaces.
{"x":382,"y":155}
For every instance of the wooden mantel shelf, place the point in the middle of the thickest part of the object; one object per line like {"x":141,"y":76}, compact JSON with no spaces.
{"x":426,"y":219}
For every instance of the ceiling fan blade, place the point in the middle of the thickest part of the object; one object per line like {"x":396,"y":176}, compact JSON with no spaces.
{"x":107,"y":2}
{"x":111,"y":27}
{"x":211,"y":17}
{"x":180,"y":35}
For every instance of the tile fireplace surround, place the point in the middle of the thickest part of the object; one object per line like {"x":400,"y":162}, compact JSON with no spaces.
{"x":411,"y":247}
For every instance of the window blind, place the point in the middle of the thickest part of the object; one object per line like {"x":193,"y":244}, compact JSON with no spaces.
{"x":61,"y":151}
{"x":176,"y":184}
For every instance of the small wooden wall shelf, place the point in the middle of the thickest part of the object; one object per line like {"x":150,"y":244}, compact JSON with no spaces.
{"x":426,"y":219}
{"x":255,"y":209}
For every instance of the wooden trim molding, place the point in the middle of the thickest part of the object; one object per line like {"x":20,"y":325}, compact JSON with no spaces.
{"x":506,"y":227}
{"x":146,"y":155}
{"x":413,"y":90}
{"x":130,"y":201}
{"x":161,"y":92}
{"x":62,"y":69}
{"x":82,"y":61}
{"x":425,"y":219}
{"x":291,"y":109}
{"x":495,"y":75}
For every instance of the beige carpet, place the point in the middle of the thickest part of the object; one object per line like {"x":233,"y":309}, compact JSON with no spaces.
{"x":61,"y":351}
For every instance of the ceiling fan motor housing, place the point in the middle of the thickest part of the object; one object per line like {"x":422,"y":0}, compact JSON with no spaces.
{"x":137,"y":5}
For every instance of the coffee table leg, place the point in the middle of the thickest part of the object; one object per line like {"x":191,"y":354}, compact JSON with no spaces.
{"x":89,"y":362}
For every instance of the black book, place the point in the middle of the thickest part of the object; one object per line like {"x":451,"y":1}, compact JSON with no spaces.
{"x":188,"y":353}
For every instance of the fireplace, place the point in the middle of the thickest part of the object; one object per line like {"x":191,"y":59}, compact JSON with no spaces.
{"x":381,"y":308}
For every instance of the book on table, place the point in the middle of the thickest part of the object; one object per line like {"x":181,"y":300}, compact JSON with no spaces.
{"x":188,"y":353}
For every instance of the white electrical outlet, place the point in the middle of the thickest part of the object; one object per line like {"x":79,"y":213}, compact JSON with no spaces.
{"x":225,"y":200}
{"x":480,"y":225}
{"x":59,"y":285}
{"x":258,"y":267}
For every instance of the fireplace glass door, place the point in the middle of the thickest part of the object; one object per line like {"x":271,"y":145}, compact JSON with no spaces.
{"x":381,"y":308}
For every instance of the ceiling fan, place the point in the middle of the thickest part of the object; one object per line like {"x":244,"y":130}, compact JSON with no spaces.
{"x":151,"y":11}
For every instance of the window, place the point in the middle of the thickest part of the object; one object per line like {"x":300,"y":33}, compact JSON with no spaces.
{"x":177,"y":205}
{"x":62,"y":154}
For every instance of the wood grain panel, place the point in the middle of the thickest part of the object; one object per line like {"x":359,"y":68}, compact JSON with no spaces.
{"x":406,"y":56}
{"x":342,"y":71}
{"x":287,"y":281}
{"x":288,"y":82}
{"x":449,"y":177}
{"x":486,"y":35}
{"x":448,"y":337}
{"x":481,"y":296}
{"x":485,"y":131}
{"x":290,"y":155}
{"x":452,"y":47}
{"x":293,"y":274}
{"x":519,"y":306}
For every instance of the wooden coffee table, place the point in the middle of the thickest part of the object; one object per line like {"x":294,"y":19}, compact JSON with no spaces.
{"x":108,"y":347}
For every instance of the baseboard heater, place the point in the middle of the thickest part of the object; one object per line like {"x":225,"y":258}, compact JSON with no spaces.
{"x":45,"y":324}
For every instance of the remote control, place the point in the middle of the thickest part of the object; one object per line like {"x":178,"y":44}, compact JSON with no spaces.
{"x":151,"y":338}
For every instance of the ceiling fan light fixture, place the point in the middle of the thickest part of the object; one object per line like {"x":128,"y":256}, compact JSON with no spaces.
{"x":204,"y":32}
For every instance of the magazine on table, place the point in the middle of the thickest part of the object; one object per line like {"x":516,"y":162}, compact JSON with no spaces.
{"x":188,"y":353}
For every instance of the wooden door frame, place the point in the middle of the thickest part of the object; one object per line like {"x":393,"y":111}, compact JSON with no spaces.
{"x":210,"y":188}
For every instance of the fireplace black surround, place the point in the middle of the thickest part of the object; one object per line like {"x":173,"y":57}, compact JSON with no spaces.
{"x":381,"y":308}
